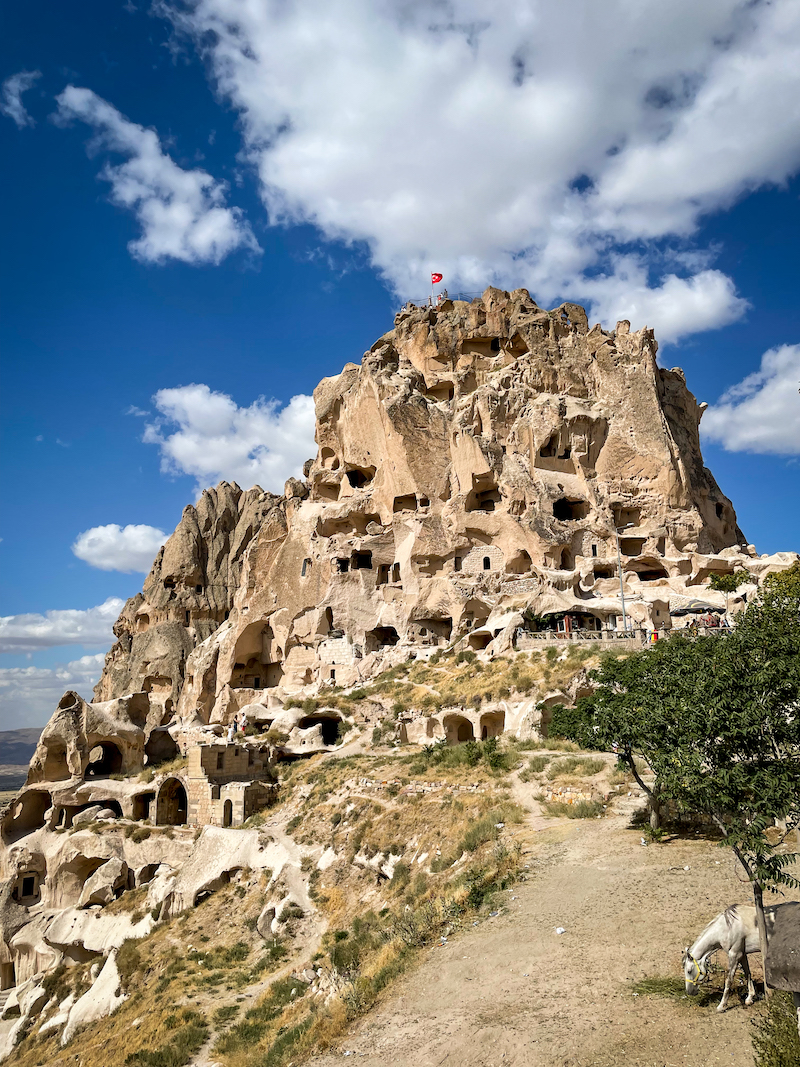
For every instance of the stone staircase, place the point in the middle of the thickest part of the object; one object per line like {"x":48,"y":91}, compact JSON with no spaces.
{"x":4,"y":995}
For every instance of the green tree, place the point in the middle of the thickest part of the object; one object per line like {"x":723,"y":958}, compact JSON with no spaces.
{"x":728,"y":583}
{"x":717,"y":721}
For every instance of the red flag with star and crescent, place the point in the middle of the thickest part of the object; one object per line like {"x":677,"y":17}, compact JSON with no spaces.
{"x":436,"y":278}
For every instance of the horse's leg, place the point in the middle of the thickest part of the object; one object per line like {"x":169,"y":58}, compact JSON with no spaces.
{"x":751,"y":989}
{"x":733,"y":963}
{"x":796,"y":999}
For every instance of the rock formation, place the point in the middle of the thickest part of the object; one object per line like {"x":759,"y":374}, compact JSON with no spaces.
{"x":485,"y":478}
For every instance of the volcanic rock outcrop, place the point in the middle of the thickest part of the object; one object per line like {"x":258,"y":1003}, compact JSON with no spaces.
{"x":487,"y":477}
{"x":477,"y":463}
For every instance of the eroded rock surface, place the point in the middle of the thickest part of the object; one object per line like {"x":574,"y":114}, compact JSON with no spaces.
{"x":476,"y":476}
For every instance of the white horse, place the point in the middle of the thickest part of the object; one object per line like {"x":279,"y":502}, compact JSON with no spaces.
{"x":734,"y":931}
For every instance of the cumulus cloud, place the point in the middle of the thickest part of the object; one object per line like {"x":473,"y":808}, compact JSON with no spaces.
{"x":11,"y":96}
{"x":207,"y":435}
{"x":91,"y":627}
{"x":119,"y":548}
{"x":182,"y":213}
{"x":29,"y":695}
{"x":762,"y":412}
{"x":523,"y":143}
{"x":679,"y":305}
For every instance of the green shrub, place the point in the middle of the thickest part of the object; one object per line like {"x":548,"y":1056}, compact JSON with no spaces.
{"x":129,"y":960}
{"x":225,"y":1014}
{"x":401,"y":876}
{"x":775,"y":1039}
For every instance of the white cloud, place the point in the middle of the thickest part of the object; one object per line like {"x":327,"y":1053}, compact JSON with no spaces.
{"x":91,"y":627}
{"x":215,"y":439}
{"x":29,"y":695}
{"x":761,"y":413}
{"x":11,"y":96}
{"x":679,"y":305}
{"x":522,"y":142}
{"x":119,"y":548}
{"x":182,"y":213}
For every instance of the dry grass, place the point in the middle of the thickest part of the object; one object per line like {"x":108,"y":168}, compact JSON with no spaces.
{"x":173,"y":990}
{"x":450,"y":680}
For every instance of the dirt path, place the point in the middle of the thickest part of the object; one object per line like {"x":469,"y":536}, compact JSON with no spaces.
{"x":513,"y":991}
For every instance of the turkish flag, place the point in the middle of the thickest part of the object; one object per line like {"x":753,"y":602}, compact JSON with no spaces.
{"x":436,"y":278}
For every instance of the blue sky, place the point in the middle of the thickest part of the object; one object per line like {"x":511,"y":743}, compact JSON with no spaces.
{"x":238,"y":197}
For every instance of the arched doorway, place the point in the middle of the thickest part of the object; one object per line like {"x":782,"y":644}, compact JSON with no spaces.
{"x":227,"y":813}
{"x":171,"y":805}
{"x":492,"y":724}
{"x":458,"y":729}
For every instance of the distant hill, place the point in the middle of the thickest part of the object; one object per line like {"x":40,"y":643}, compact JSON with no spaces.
{"x":17,"y":746}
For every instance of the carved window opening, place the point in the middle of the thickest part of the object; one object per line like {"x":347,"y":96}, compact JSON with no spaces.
{"x":305,"y":568}
{"x":442,"y":392}
{"x":405,"y":503}
{"x":566,"y":560}
{"x":358,"y":477}
{"x":329,"y":459}
{"x":383,"y":573}
{"x":457,"y":562}
{"x":624,"y":515}
{"x":104,"y":759}
{"x":362,"y":561}
{"x":141,"y":806}
{"x":569,"y":510}
{"x":380,"y":637}
{"x":396,"y":572}
{"x":327,"y":491}
{"x":487,"y":563}
{"x":631,"y":546}
{"x":485,"y":500}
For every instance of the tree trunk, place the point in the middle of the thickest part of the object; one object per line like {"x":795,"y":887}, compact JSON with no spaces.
{"x":655,"y":807}
{"x":758,"y":898}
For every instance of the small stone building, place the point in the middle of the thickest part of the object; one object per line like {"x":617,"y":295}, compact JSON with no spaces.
{"x":226,"y":784}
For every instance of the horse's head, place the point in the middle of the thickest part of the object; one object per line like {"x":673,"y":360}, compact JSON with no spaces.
{"x":693,"y":971}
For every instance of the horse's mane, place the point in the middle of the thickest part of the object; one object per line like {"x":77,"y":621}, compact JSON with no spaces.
{"x":729,"y":915}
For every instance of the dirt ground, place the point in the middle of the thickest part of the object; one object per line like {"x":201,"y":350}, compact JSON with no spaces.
{"x":512,"y":991}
